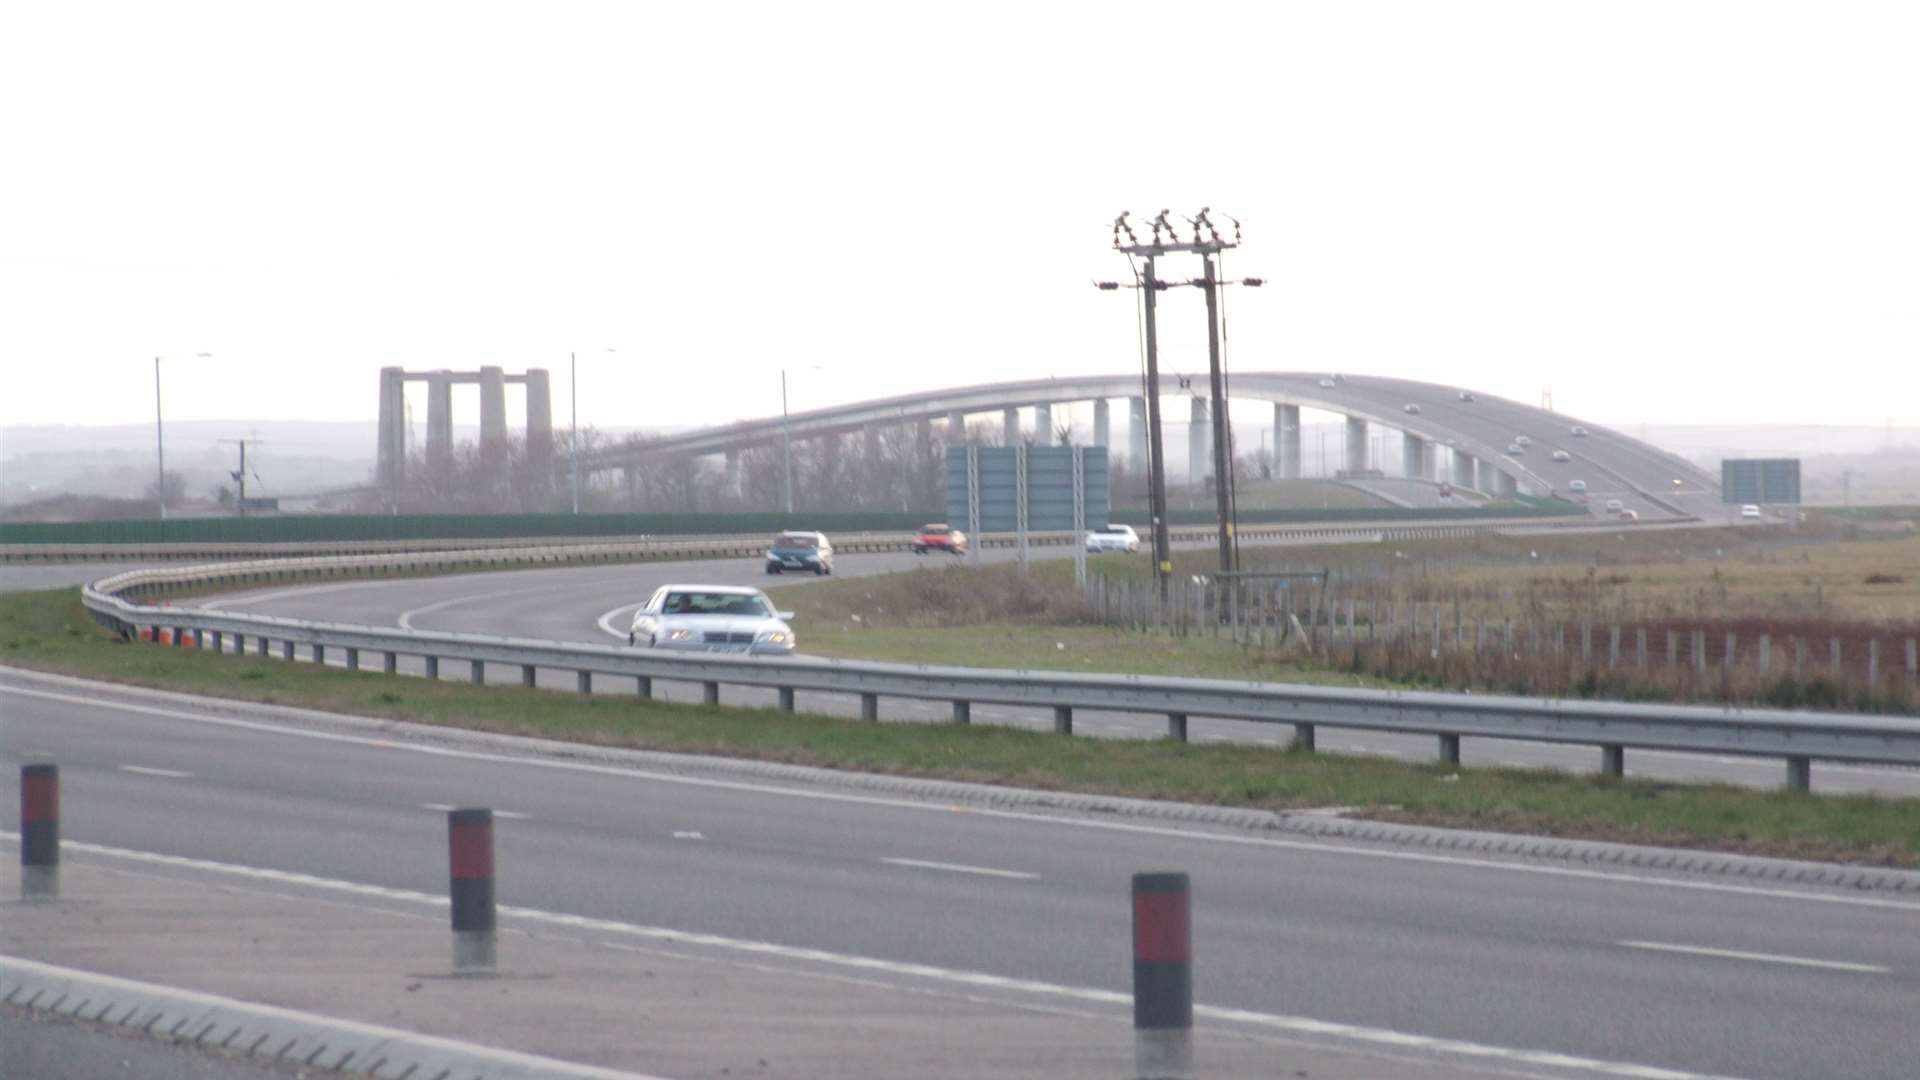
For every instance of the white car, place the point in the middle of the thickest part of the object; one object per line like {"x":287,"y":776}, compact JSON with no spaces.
{"x":1326,"y":384}
{"x":1522,"y":440}
{"x":1412,"y":409}
{"x":1750,"y":511}
{"x":1615,"y":506}
{"x":1578,"y":487}
{"x":1113,"y":538}
{"x":712,"y":618}
{"x":1562,"y":455}
{"x":1579,"y":432}
{"x":1515,"y":449}
{"x":1467,"y":397}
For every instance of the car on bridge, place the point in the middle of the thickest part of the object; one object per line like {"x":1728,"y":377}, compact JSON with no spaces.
{"x":1467,"y":397}
{"x":1411,"y":409}
{"x":1578,"y":487}
{"x":1562,"y":455}
{"x":1113,"y":537}
{"x":1579,"y":432}
{"x":801,"y":552}
{"x":712,"y":618}
{"x":1515,"y":449}
{"x":939,"y":538}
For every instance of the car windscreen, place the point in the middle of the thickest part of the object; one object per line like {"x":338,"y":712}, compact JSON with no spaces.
{"x":791,"y":542}
{"x":714,"y":603}
{"x":936,"y":530}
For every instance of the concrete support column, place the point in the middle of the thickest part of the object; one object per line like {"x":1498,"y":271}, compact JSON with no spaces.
{"x":1504,"y":485}
{"x":539,"y":426}
{"x":956,"y":428}
{"x":1102,"y":423}
{"x":1463,"y":469}
{"x":1357,"y":444}
{"x":630,"y":476}
{"x":871,"y":445}
{"x":392,"y":459}
{"x":1137,"y":433}
{"x":733,"y":472}
{"x":1286,"y":440}
{"x":1043,"y":425}
{"x":1010,"y":425}
{"x":439,"y":419}
{"x":493,"y":408}
{"x":1199,"y":441}
{"x":1413,"y":457}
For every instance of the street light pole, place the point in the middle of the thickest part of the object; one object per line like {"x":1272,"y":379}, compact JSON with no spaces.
{"x":159,"y":444}
{"x":573,"y":440}
{"x":786,"y":439}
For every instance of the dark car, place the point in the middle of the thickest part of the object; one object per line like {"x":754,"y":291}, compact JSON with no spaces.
{"x":801,"y":552}
{"x":939,"y":538}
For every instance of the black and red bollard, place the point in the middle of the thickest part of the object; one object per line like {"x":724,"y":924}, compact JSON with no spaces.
{"x":1162,"y":976}
{"x":470,"y":854}
{"x":39,"y":832}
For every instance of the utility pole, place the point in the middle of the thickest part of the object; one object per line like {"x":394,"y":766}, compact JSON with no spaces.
{"x":1222,"y":482}
{"x":1156,"y":449}
{"x":240,"y":474}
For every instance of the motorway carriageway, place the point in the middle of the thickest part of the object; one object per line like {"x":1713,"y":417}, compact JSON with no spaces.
{"x":1709,"y":976}
{"x":595,"y":604}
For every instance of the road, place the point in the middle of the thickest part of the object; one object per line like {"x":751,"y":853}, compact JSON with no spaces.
{"x":1709,"y":975}
{"x":595,"y":604}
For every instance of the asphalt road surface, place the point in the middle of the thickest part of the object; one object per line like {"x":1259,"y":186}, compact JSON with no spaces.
{"x":595,"y":604}
{"x":1714,"y":976}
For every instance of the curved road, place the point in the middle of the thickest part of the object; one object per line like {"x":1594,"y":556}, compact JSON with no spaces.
{"x":594,"y":604}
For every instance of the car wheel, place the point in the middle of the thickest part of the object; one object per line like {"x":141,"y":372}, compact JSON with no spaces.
{"x":821,"y":571}
{"x":773,"y":569}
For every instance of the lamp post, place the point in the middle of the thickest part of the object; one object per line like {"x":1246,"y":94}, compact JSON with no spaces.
{"x":160,"y":439}
{"x":573,"y":439}
{"x":786,"y":440}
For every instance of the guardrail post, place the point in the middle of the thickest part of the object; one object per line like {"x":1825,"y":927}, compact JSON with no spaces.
{"x":353,"y":659}
{"x":319,"y":653}
{"x":1800,"y":773}
{"x":1613,"y":760}
{"x":470,"y":859}
{"x":433,"y":667}
{"x":1063,"y":719}
{"x":286,"y":649}
{"x":583,"y":681}
{"x":1162,"y":976}
{"x":643,"y":685}
{"x":219,"y":645}
{"x":527,"y":675}
{"x":1450,"y":749}
{"x":786,"y":699}
{"x":390,"y":663}
{"x":477,"y":672}
{"x":179,"y":637}
{"x":1177,"y":726}
{"x":39,"y":832}
{"x":870,"y":707}
{"x":710,"y":693}
{"x":963,"y":712}
{"x":1303,"y":738}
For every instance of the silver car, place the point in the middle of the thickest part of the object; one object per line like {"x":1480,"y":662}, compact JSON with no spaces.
{"x":712,"y":618}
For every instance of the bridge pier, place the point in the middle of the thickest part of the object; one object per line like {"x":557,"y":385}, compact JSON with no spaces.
{"x":733,"y":485}
{"x":539,"y":426}
{"x":1137,"y":433}
{"x":1413,"y":456}
{"x":1463,"y":470}
{"x":439,"y":420}
{"x":1043,"y":425}
{"x":1199,"y":442}
{"x":1504,"y":485}
{"x":391,"y":462}
{"x":1010,"y":426}
{"x":1286,"y":441}
{"x":1356,"y":458}
{"x":956,"y":428}
{"x":493,"y":408}
{"x":1102,"y":422}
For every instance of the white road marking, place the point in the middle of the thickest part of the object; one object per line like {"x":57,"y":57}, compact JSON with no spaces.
{"x":957,"y":868}
{"x":144,"y":770}
{"x":687,"y":835}
{"x":957,"y":976}
{"x":513,"y":1061}
{"x":444,"y":808}
{"x":1135,"y":828}
{"x":406,"y":617}
{"x":304,"y":590}
{"x":1764,"y":958}
{"x":605,"y":621}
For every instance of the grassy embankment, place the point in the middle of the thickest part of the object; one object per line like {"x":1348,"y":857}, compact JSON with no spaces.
{"x":49,"y":631}
{"x":1746,"y":582}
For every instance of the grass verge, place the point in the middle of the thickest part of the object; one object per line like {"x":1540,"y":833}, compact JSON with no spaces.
{"x":49,"y":631}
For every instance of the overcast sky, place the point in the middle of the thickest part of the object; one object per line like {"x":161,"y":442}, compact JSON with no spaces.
{"x":1662,"y":212}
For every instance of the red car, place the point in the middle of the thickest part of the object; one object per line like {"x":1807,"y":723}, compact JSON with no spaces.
{"x":939,"y":538}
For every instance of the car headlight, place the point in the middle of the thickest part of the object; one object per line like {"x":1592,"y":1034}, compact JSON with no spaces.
{"x":774,"y":637}
{"x":679,"y":635}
